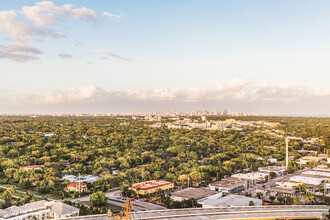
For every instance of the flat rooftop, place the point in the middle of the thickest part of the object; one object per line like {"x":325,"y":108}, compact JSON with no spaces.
{"x":272,"y":168}
{"x":231,"y":182}
{"x":316,"y":173}
{"x":194,"y":193}
{"x":250,"y":175}
{"x":230,"y":200}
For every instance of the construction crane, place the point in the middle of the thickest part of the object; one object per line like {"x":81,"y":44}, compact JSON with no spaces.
{"x":128,"y":210}
{"x":287,"y":139}
{"x":126,"y":215}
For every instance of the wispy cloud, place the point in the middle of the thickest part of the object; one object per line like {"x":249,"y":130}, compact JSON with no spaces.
{"x":113,"y":15}
{"x":65,"y":55}
{"x":105,"y":55}
{"x":19,"y":53}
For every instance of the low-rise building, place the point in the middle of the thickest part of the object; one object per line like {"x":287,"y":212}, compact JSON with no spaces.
{"x":251,"y":177}
{"x":229,"y":201}
{"x":33,"y":167}
{"x":278,"y":170}
{"x":272,"y":160}
{"x":87,"y":179}
{"x":287,"y":184}
{"x":314,"y":173}
{"x":228,"y":185}
{"x":39,"y":210}
{"x":77,"y":187}
{"x":191,"y":193}
{"x":279,"y":191}
{"x":153,"y":186}
{"x":309,"y":159}
{"x":307,"y":180}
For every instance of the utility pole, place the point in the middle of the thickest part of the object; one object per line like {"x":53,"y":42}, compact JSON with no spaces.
{"x":287,"y":152}
{"x":287,"y":139}
{"x":268,"y":174}
{"x":79,"y":184}
{"x":142,"y":173}
{"x":188,"y":180}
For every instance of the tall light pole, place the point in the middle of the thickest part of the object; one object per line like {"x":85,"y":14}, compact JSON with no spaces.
{"x":287,"y":139}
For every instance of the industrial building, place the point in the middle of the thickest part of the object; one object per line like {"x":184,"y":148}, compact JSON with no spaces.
{"x":228,"y":201}
{"x":314,"y":173}
{"x":307,"y":180}
{"x":228,"y":185}
{"x":278,"y":170}
{"x":251,"y":177}
{"x":191,"y":193}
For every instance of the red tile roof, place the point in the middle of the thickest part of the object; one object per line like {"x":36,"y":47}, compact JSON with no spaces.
{"x":75,"y":184}
{"x":150,"y":185}
{"x":31,"y":167}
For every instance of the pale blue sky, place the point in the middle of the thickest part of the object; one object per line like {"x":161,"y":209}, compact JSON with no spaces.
{"x":176,"y":45}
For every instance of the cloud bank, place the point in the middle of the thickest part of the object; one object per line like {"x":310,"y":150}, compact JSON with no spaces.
{"x":238,"y":95}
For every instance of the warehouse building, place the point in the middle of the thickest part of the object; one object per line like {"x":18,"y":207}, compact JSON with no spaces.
{"x":229,"y":185}
{"x":229,"y":201}
{"x":191,"y":193}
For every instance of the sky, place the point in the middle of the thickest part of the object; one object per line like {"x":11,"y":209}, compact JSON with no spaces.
{"x":111,"y":56}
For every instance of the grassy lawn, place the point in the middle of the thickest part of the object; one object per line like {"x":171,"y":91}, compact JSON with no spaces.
{"x":20,"y":191}
{"x":113,"y":208}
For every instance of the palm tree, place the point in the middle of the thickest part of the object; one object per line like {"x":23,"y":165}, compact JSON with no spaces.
{"x":311,"y":197}
{"x":304,"y":197}
{"x":296,"y":201}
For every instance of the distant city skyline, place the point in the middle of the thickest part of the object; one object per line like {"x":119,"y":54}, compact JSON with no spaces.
{"x":262,"y":57}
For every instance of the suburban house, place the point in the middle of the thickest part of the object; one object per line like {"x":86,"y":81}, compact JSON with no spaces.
{"x":33,"y":167}
{"x":77,"y":187}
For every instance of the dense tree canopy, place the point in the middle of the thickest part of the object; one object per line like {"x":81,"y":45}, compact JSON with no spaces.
{"x":102,"y":145}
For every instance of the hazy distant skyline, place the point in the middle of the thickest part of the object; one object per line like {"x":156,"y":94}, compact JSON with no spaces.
{"x":68,"y":56}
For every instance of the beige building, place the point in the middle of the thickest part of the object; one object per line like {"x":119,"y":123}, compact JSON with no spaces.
{"x":228,"y":185}
{"x":153,"y":186}
{"x":287,"y":184}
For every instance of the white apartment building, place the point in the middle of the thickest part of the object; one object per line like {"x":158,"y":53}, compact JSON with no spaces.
{"x":39,"y":210}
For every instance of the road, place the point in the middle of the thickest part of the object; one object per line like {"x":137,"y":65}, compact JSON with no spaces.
{"x":248,"y":212}
{"x":138,"y":205}
{"x":272,"y":182}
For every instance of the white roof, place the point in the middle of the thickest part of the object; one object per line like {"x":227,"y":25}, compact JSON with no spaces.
{"x":317,"y":173}
{"x":230,"y":200}
{"x":56,"y":207}
{"x":307,"y":180}
{"x":250,"y":175}
{"x":63,"y":209}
